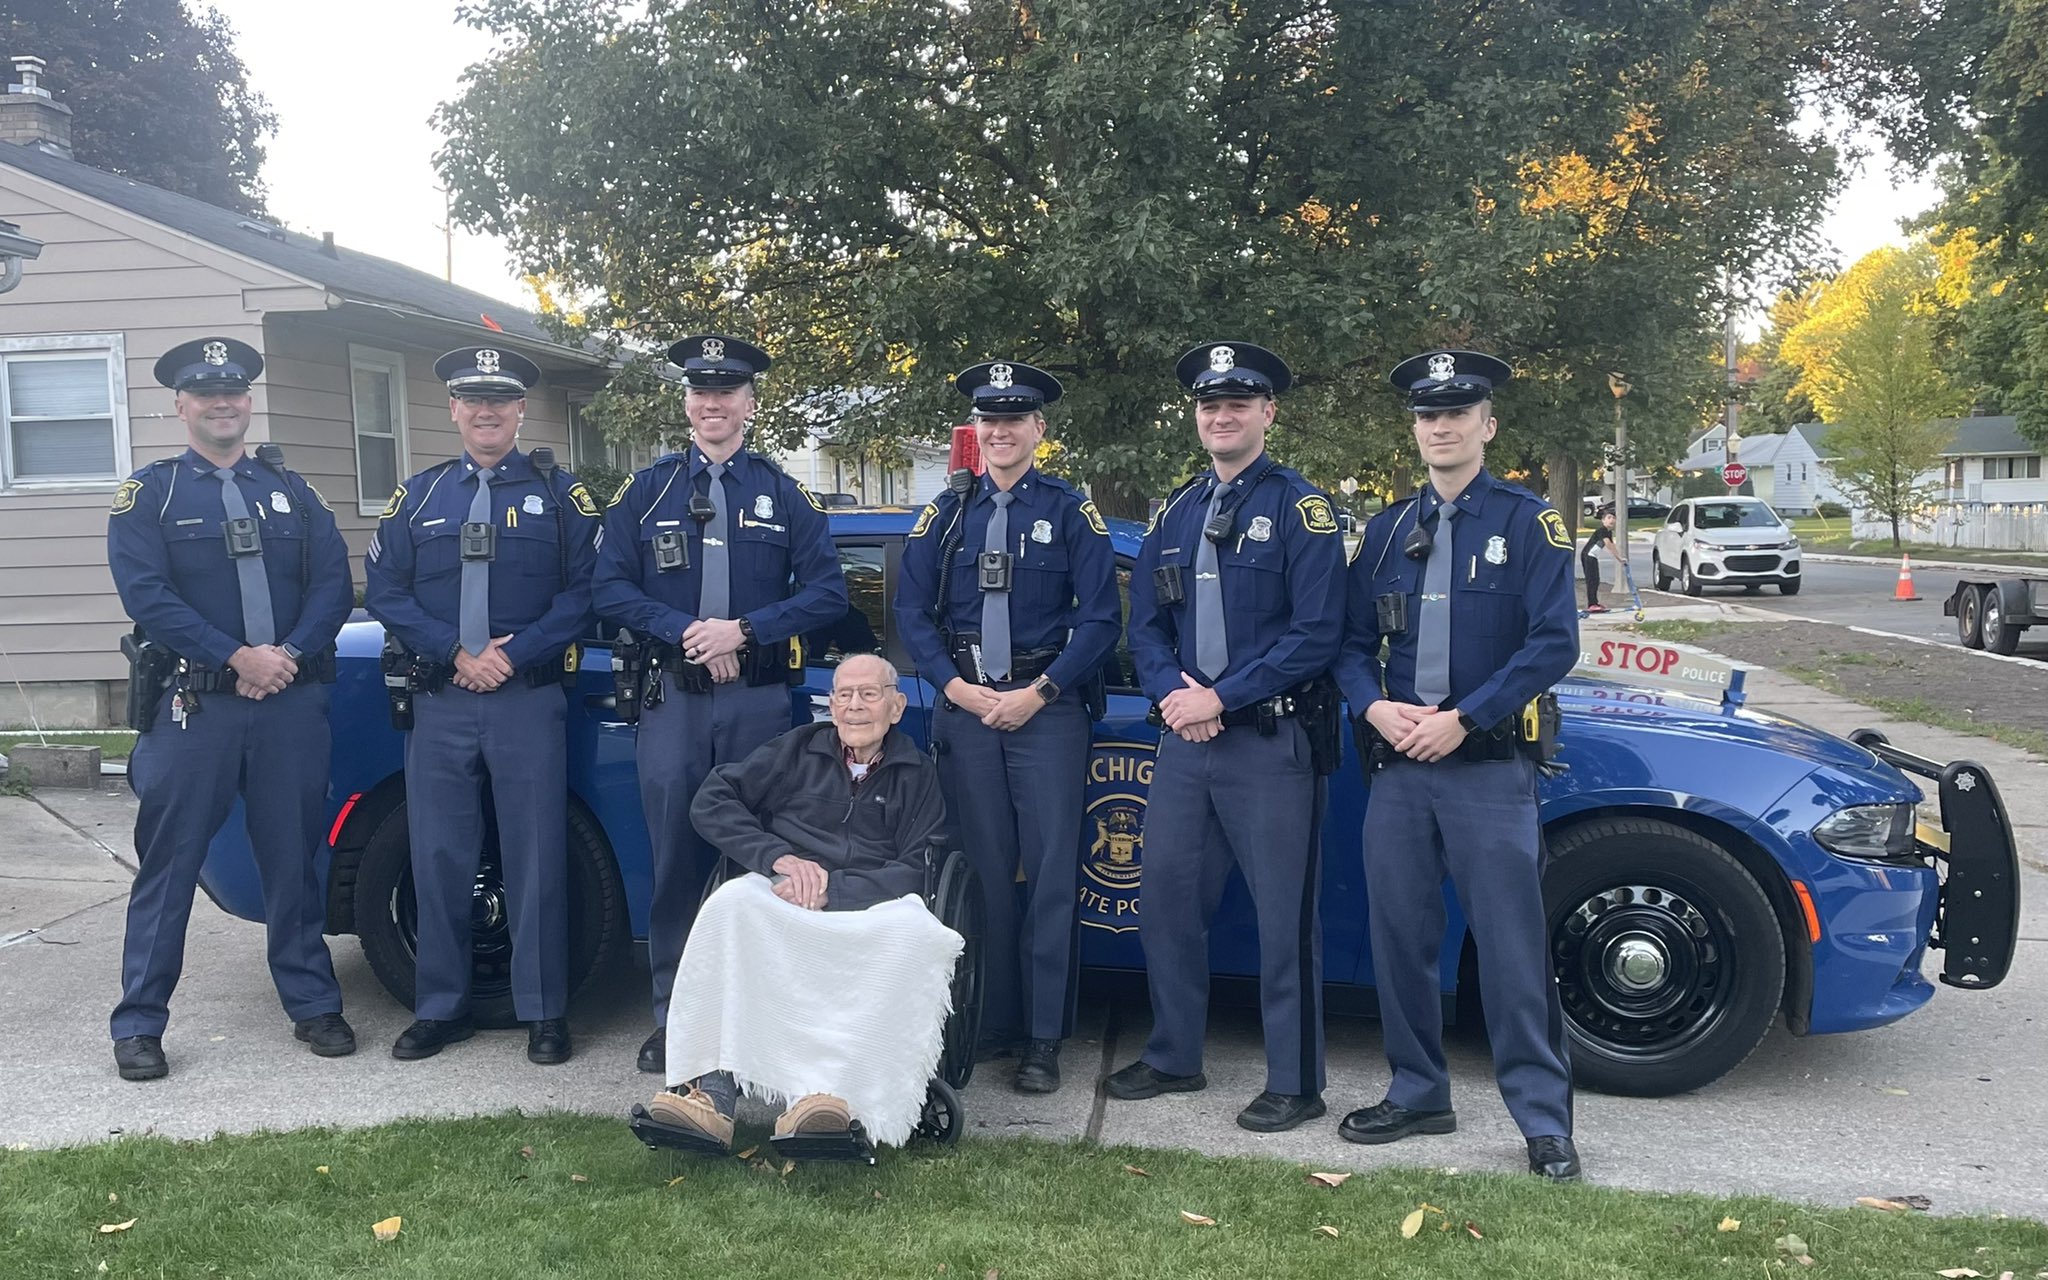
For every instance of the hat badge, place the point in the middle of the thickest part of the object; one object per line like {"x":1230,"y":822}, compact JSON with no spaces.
{"x":1443,"y":366}
{"x":487,"y":361}
{"x":1222,"y":359}
{"x":214,"y":353}
{"x":1001,"y":377}
{"x":713,"y":349}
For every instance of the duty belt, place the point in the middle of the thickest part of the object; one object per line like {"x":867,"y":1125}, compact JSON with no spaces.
{"x":316,"y":668}
{"x":1269,"y":710}
{"x":759,"y":664}
{"x":1025,"y":665}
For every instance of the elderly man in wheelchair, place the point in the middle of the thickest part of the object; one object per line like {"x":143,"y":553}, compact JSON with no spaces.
{"x":823,"y":974}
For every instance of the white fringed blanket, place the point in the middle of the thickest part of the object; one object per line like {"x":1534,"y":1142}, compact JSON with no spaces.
{"x":852,"y":1003}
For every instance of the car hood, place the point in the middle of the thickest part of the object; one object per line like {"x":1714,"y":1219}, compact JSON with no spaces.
{"x":1607,"y":704}
{"x":1742,"y":537}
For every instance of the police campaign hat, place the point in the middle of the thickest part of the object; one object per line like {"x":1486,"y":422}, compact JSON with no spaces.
{"x":1449,"y":379}
{"x":1232,"y":369}
{"x":1004,"y":388}
{"x":209,"y":365}
{"x":715,"y":360}
{"x":492,"y":372}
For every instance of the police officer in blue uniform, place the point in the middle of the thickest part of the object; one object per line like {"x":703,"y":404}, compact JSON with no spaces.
{"x":481,"y":568}
{"x":719,"y":561}
{"x":1029,"y":614}
{"x":1236,"y":613}
{"x":238,"y":581}
{"x":1469,"y":583}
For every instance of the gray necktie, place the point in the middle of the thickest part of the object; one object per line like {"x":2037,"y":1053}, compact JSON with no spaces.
{"x":1212,"y":642}
{"x":995,"y":605}
{"x":259,"y":624}
{"x":474,"y":620}
{"x":714,"y":595}
{"x":1433,"y":637}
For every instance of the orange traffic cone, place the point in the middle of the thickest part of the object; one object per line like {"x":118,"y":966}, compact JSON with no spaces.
{"x":1905,"y":588}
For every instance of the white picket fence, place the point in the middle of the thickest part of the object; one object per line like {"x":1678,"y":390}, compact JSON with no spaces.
{"x":1988,"y":526}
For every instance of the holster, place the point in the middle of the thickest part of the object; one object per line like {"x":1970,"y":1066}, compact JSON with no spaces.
{"x":149,"y":675}
{"x":629,"y":668}
{"x":1322,"y":713}
{"x":1538,"y":730}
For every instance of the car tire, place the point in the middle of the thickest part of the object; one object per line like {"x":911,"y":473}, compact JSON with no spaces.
{"x":386,"y":921}
{"x":1789,"y":587}
{"x":1688,"y":582}
{"x":1970,"y":616}
{"x":1706,"y":951}
{"x":1657,"y":574}
{"x":2000,"y":636}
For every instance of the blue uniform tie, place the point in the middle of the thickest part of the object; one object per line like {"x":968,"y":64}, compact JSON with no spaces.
{"x":995,"y":605}
{"x":1433,"y":639}
{"x":259,"y":623}
{"x":473,"y":621}
{"x":1212,"y":641}
{"x":714,"y":594}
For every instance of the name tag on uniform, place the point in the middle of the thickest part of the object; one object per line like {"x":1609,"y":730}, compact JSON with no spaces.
{"x":428,"y":524}
{"x":194,"y":520}
{"x":666,"y":524}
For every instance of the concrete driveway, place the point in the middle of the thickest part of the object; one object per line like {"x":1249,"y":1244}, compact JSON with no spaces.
{"x":1951,"y":1103}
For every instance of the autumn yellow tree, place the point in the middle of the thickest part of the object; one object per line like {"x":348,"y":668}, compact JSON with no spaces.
{"x":1870,"y":358}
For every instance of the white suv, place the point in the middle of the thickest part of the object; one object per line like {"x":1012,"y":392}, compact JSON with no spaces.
{"x":1710,"y":542}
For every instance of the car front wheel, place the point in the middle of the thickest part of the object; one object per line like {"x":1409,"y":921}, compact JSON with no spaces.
{"x":1670,"y":961}
{"x":1789,"y":587}
{"x":1688,"y":582}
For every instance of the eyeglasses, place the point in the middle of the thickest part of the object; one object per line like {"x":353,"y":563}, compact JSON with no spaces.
{"x":865,"y":694}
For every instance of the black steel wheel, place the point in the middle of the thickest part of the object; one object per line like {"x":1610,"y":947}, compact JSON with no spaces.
{"x":958,"y":905}
{"x":943,"y":1119}
{"x":2000,"y":635}
{"x":1670,"y":959}
{"x":1970,"y":617}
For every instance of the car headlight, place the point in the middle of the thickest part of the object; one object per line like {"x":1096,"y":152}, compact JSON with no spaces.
{"x":1792,"y":544}
{"x":1708,"y":547}
{"x":1869,"y":832}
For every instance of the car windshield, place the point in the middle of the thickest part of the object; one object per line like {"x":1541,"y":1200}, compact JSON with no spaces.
{"x":1733,"y":515}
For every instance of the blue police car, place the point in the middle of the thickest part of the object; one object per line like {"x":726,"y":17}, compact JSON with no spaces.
{"x":1710,"y":868}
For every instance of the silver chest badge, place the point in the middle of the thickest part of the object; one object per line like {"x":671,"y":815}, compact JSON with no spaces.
{"x":279,"y":503}
{"x":1261,"y":530}
{"x":1222,"y":359}
{"x":764,"y":507}
{"x":533,"y":505}
{"x":1041,"y":531}
{"x":487,"y":361}
{"x":1496,"y":550}
{"x":1443,"y":366}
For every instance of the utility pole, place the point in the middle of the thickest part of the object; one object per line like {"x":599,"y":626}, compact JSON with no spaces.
{"x":1618,"y":464}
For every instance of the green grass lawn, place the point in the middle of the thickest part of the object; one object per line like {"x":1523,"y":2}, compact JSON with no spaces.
{"x":114,"y":744}
{"x":1832,"y":537}
{"x":1679,"y":630}
{"x":558,"y":1195}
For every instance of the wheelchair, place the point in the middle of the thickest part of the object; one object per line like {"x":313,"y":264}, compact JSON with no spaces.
{"x":952,"y":892}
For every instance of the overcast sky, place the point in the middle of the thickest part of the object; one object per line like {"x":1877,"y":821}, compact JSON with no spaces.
{"x":353,"y":89}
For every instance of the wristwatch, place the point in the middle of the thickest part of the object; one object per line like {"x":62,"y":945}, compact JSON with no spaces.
{"x":746,"y":631}
{"x":1045,"y":689}
{"x":1467,"y":723}
{"x":292,"y":651}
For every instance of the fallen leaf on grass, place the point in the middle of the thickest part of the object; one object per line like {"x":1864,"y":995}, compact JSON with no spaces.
{"x":1795,"y":1248}
{"x":678,"y":1178}
{"x":1432,"y":1208}
{"x":102,"y":1268}
{"x":880,"y":1196}
{"x":991,"y":1274}
{"x":387,"y":1230}
{"x":1329,"y":1179}
{"x":526,"y":1153}
{"x":577,"y":1177}
{"x":1959,"y":1273}
{"x":1411,"y":1224}
{"x":1730,"y":1224}
{"x":1196,"y":1219}
{"x":320,"y":1169}
{"x":109,"y":1228}
{"x":748,"y":1154}
{"x":1134,"y":1169}
{"x":113,"y":1197}
{"x":1878,"y":1202}
{"x":788,"y":1166}
{"x":1472,"y":1229}
{"x":1327,"y":1230}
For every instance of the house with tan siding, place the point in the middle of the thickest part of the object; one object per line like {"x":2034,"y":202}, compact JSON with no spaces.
{"x":128,"y":270}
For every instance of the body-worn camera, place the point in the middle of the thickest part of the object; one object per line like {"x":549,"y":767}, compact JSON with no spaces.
{"x":671,"y":552}
{"x":1168,"y":584}
{"x":479,"y":540}
{"x":243,"y":537}
{"x":993,"y":570}
{"x":1392,"y":610}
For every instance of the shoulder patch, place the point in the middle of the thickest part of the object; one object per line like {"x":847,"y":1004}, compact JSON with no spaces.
{"x":924,"y":519}
{"x":620,"y":496}
{"x":579,"y":493}
{"x":1094,"y":518}
{"x":1316,"y":515}
{"x":810,"y":497}
{"x":1554,"y":531}
{"x":397,"y":501}
{"x":124,"y":497}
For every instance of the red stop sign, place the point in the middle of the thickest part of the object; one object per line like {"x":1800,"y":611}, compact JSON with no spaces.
{"x":1734,"y":474}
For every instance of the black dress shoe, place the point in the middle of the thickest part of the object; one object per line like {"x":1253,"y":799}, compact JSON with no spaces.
{"x":329,"y":1035}
{"x":1039,"y":1070}
{"x":654,"y":1052}
{"x":1385,"y":1122}
{"x":1142,"y":1080}
{"x":140,"y":1058}
{"x":547,"y":1041}
{"x":1278,"y":1112}
{"x":1554,"y":1158}
{"x":428,"y":1036}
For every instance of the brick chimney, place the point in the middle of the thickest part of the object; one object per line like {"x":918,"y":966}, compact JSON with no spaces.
{"x":30,"y":116}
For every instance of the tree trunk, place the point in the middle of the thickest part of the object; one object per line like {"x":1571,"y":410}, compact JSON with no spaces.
{"x":1113,"y":497}
{"x":1563,"y":472}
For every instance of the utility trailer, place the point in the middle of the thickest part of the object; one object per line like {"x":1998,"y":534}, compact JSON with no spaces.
{"x":1992,"y":611}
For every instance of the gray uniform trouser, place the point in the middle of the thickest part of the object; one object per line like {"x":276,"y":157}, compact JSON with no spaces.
{"x":680,"y":741}
{"x":1478,"y":822}
{"x":274,"y":754}
{"x":513,"y":739}
{"x":1015,"y":799}
{"x":1257,"y":802}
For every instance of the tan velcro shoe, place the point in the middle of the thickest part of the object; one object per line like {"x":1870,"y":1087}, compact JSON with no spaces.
{"x":815,"y":1113}
{"x":694,"y":1111}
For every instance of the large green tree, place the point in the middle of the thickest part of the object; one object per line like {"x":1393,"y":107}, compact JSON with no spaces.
{"x":157,"y":91}
{"x":885,"y":191}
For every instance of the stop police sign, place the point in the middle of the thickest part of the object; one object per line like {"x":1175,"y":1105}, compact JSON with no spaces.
{"x":1734,"y":474}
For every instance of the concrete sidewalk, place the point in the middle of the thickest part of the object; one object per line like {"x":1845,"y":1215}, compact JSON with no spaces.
{"x":1941,"y":1104}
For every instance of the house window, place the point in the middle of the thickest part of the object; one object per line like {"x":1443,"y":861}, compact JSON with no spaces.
{"x":1955,"y":475}
{"x":2021,"y":467}
{"x":63,"y":410}
{"x":588,"y":447}
{"x":376,"y":381}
